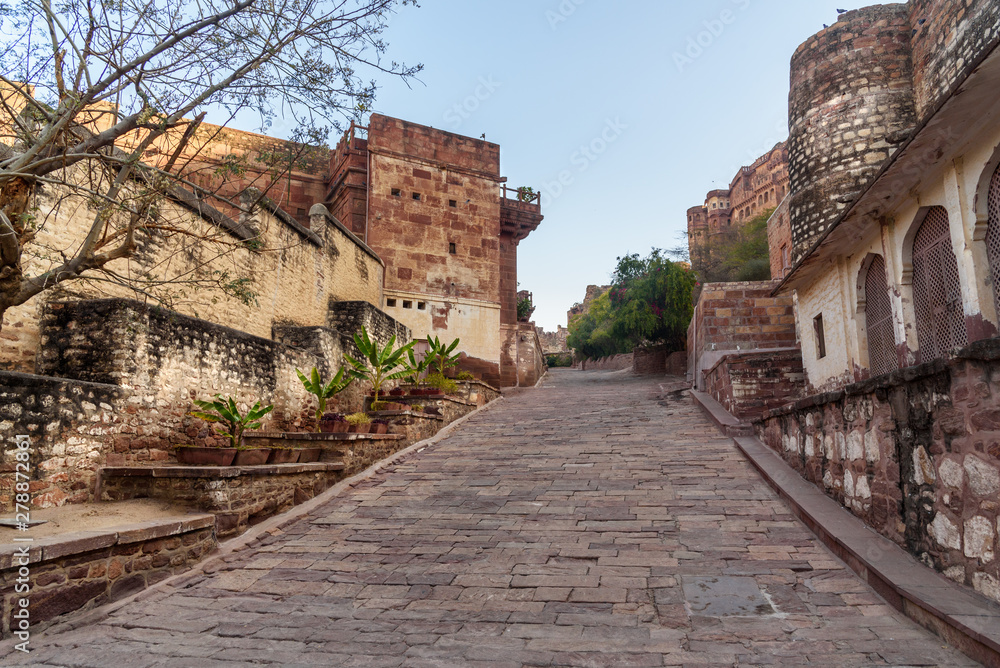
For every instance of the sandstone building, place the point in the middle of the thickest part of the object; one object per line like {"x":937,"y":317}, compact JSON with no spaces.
{"x":754,"y":189}
{"x":893,"y":214}
{"x":433,"y":205}
{"x":429,"y":235}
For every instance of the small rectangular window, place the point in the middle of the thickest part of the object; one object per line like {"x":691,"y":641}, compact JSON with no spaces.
{"x":416,"y":196}
{"x":300,"y":212}
{"x":390,"y":303}
{"x":421,"y":306}
{"x":453,"y":203}
{"x":407,"y":304}
{"x":396,"y":192}
{"x":452,"y":249}
{"x":820,"y":336}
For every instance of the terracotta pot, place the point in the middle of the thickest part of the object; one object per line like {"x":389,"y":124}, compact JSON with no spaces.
{"x":379,"y":429}
{"x":206,"y":456}
{"x":252,"y":457}
{"x":308,"y":455}
{"x":283,"y":456}
{"x":360,"y":428}
{"x":330,"y":427}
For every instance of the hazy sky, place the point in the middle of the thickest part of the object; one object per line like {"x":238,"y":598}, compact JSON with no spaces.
{"x":641,"y":107}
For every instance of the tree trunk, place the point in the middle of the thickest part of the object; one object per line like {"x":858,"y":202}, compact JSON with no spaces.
{"x":14,"y":198}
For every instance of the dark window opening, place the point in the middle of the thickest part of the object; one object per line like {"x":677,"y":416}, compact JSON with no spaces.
{"x":820,"y":336}
{"x":396,"y":192}
{"x":416,"y":196}
{"x":390,"y":302}
{"x":300,"y":212}
{"x":407,"y":304}
{"x":421,"y":306}
{"x":452,"y":249}
{"x":453,"y":203}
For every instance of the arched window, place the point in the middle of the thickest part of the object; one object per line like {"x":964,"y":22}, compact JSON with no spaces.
{"x":993,"y":237}
{"x":937,"y":291}
{"x":882,"y":356}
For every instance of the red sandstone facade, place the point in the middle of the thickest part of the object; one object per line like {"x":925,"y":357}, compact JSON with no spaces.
{"x":755,"y":189}
{"x":434,"y":207}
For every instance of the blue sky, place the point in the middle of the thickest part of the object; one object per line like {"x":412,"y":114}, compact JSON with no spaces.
{"x":642,"y":106}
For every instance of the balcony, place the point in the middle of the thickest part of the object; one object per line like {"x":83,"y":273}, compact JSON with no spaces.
{"x":520,"y":212}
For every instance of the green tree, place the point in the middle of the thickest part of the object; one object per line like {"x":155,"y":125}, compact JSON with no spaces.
{"x":649,"y":301}
{"x":738,"y":254}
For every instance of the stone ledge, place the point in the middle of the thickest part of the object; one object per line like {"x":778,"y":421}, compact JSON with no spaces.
{"x":79,"y":542}
{"x":320,"y":436}
{"x":169,"y":471}
{"x":723,"y":419}
{"x":961,"y":617}
{"x":79,"y":571}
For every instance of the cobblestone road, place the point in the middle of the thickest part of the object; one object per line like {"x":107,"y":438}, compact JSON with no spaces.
{"x":585,"y":523}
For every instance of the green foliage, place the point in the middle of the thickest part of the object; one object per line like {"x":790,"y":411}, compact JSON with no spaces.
{"x":314,"y":385}
{"x":524,"y":308}
{"x":465,"y":375}
{"x":415,"y":369}
{"x":442,"y":356}
{"x":739,"y":254}
{"x":446,"y":385}
{"x":378,"y":364}
{"x":226,"y":413}
{"x":526,"y":194}
{"x":649,"y":302}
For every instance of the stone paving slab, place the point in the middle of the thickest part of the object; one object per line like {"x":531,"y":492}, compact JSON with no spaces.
{"x":558,"y":529}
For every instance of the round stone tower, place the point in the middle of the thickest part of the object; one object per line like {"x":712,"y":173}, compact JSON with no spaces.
{"x":851,"y":104}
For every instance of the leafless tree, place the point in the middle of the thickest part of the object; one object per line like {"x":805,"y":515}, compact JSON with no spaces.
{"x":87,"y":87}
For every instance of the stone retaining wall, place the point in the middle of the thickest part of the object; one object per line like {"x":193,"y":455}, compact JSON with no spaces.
{"x":613,"y":363}
{"x":238,"y":496}
{"x":748,"y":384}
{"x":80,"y":571}
{"x":915,"y":454}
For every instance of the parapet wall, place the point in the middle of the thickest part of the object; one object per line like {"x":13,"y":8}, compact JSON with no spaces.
{"x":914,"y":454}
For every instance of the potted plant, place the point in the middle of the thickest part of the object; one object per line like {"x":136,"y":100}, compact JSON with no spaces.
{"x":333,"y":423}
{"x":379,"y":364}
{"x":359,"y":423}
{"x":315,"y":386}
{"x":379,"y":426}
{"x":309,"y":455}
{"x":283,"y":456}
{"x":442,"y":356}
{"x":231,"y":424}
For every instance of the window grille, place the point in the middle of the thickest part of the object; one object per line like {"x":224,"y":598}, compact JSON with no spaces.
{"x":882,"y":356}
{"x":937,"y":291}
{"x":993,"y":237}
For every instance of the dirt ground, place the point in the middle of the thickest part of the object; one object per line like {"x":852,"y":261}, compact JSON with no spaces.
{"x":91,"y":517}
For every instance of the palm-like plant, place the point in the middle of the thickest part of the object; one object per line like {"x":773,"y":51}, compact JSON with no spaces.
{"x":233,"y":423}
{"x":314,"y":385}
{"x":378,"y":364}
{"x":440,"y":354}
{"x":415,"y":369}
